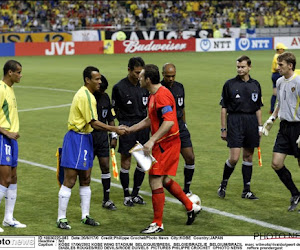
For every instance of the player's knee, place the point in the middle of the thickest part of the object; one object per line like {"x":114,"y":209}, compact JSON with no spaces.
{"x":105,"y":169}
{"x":276,"y":166}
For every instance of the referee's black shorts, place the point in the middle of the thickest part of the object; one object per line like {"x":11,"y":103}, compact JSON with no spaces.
{"x":286,"y":139}
{"x":101,"y":145}
{"x":185,"y":136}
{"x":242,"y":130}
{"x":126,"y":142}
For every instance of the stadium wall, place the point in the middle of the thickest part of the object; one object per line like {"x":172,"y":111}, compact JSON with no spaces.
{"x":144,"y":46}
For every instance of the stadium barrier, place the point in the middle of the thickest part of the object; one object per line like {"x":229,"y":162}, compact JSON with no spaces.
{"x":21,"y":37}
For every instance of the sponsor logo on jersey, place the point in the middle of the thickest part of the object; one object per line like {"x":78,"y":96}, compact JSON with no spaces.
{"x":129,"y":102}
{"x":237,"y":96}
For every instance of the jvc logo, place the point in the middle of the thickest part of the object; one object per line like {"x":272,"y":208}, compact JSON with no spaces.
{"x":66,"y":48}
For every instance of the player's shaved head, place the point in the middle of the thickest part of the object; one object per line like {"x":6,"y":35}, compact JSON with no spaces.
{"x":168,"y":66}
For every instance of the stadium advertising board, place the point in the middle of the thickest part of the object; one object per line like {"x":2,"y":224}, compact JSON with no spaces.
{"x":144,"y":46}
{"x":7,"y":49}
{"x":58,"y":48}
{"x":254,"y":44}
{"x":292,"y":42}
{"x":159,"y":35}
{"x":85,"y":35}
{"x":35,"y":37}
{"x":213,"y":44}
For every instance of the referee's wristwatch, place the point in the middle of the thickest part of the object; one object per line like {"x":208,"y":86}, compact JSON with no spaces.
{"x":223,"y":129}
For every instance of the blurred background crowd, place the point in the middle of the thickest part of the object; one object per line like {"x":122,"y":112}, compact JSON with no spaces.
{"x":54,"y":15}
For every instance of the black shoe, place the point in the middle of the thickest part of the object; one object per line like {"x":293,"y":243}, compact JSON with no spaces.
{"x":138,"y":200}
{"x":294,"y":202}
{"x":192,"y":214}
{"x":249,"y":195}
{"x":128,"y":202}
{"x":222,"y":191}
{"x":88,"y":220}
{"x":63,"y":224}
{"x":109,"y":205}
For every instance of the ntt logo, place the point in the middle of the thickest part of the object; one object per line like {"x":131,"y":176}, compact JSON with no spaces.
{"x":244,"y":43}
{"x":205,"y":44}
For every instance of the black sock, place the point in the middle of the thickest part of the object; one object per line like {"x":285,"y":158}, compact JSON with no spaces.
{"x":247,"y":174}
{"x":138,"y":180}
{"x":285,"y":176}
{"x":228,"y":170}
{"x":124,"y":178}
{"x":188,"y":176}
{"x":105,"y":179}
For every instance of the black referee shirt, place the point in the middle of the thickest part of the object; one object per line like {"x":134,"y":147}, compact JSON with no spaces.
{"x":177,"y":90}
{"x":241,"y":97}
{"x":129,"y":101}
{"x":103,"y":107}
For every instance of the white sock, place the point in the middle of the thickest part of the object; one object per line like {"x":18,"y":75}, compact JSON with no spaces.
{"x":10,"y":201}
{"x":3,"y":191}
{"x":64,"y":195}
{"x":85,"y":195}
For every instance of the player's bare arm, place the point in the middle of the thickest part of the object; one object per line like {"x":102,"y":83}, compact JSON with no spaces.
{"x":10,"y":135}
{"x":223,"y":124}
{"x":102,"y":126}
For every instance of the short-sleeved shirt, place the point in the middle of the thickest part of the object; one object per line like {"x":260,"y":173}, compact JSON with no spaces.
{"x":103,"y":107}
{"x":288,"y":95}
{"x":177,"y":90}
{"x":83,"y":110}
{"x":241,"y":97}
{"x":274,"y":63}
{"x":162,"y":107}
{"x":9,"y":118}
{"x":129,"y":101}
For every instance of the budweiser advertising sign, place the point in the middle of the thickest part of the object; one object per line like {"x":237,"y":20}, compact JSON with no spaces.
{"x":143,"y":46}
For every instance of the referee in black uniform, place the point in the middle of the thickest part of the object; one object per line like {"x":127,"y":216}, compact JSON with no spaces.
{"x":130,"y":101}
{"x":241,"y":123}
{"x":177,"y":89}
{"x":100,"y":141}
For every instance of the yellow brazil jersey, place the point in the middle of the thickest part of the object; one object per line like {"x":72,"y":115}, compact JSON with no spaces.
{"x":9,"y":118}
{"x":83,"y":110}
{"x":274,"y":63}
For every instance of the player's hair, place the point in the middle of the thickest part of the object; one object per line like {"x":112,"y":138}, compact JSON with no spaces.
{"x":152,"y":72}
{"x":244,"y":58}
{"x":104,"y":83}
{"x":166,"y":64}
{"x":135,"y":62}
{"x":288,"y":57}
{"x":10,"y":65}
{"x":88,"y":72}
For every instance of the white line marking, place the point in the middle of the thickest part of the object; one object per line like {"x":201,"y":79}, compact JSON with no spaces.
{"x":45,"y":88}
{"x":207,"y":209}
{"x":48,"y":107}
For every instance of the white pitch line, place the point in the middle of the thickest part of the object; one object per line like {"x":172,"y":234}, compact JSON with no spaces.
{"x":45,"y":88}
{"x":207,"y":209}
{"x":48,"y":107}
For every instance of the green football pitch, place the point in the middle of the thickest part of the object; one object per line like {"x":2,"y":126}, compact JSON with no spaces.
{"x":44,"y":97}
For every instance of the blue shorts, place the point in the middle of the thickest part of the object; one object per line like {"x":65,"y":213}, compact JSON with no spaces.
{"x":77,"y":151}
{"x":8,"y":151}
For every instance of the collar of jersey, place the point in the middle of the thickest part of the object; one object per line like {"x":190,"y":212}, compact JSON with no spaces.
{"x":290,"y":79}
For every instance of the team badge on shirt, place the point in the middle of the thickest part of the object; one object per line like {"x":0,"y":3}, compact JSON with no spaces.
{"x":180,"y":101}
{"x":293,"y":89}
{"x":104,"y":113}
{"x":254,"y":97}
{"x":145,"y":100}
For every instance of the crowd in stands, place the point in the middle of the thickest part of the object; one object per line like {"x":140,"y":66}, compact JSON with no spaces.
{"x":60,"y":15}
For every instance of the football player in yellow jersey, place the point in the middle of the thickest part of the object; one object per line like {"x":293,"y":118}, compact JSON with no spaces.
{"x":280,"y":48}
{"x":9,"y":133}
{"x":77,"y":151}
